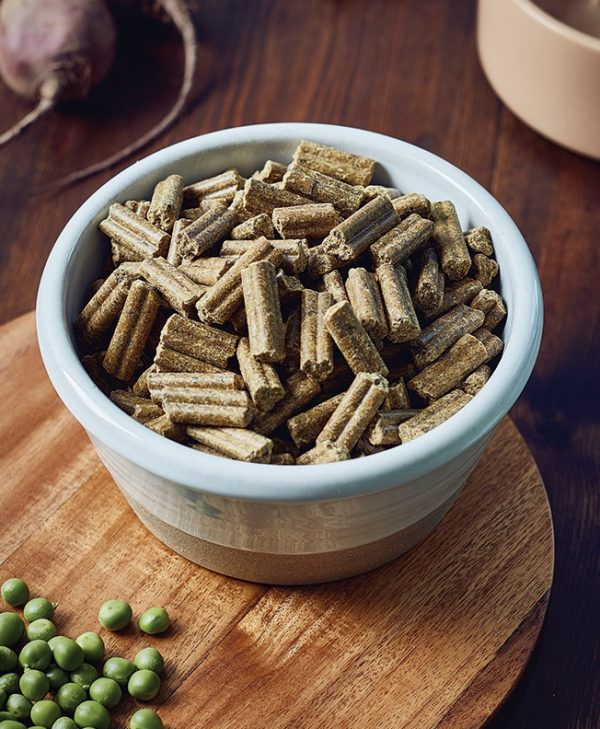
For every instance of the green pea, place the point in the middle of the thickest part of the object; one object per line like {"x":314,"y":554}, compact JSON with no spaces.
{"x":39,"y":608}
{"x":114,"y":614}
{"x":36,"y":654}
{"x":45,"y":713}
{"x":18,"y":706}
{"x":84,"y":676}
{"x":57,"y":676}
{"x":153,"y":621}
{"x":64,"y":723}
{"x":69,"y":696}
{"x":92,"y":714}
{"x":143,"y":685}
{"x":41,"y":629}
{"x":11,"y":629}
{"x":92,"y":646}
{"x":67,"y":653}
{"x":34,"y":684}
{"x":145,"y":719}
{"x":119,"y":669}
{"x":9,"y":683}
{"x":15,"y":592}
{"x":6,"y":716}
{"x":11,"y":724}
{"x":8,"y":659}
{"x":106,"y":691}
{"x":2,"y":698}
{"x":150,"y":659}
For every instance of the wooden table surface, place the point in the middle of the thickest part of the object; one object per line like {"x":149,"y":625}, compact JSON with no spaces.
{"x":408,"y":69}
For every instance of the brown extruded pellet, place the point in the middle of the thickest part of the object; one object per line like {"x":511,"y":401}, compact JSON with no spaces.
{"x":371,"y":191}
{"x":140,"y":408}
{"x":139,"y":207}
{"x":225,"y":297}
{"x":442,"y":333}
{"x":175,"y":252}
{"x":217,"y":413}
{"x":160,"y":382}
{"x":219,"y":186}
{"x":165,"y":205}
{"x":460,"y":292}
{"x":177,"y":289}
{"x":198,"y":340}
{"x":292,"y":341}
{"x":290,"y":287}
{"x":493,"y":307}
{"x":319,"y":263}
{"x":447,"y":372}
{"x":282,"y":459}
{"x":127,"y":246}
{"x":271,"y":172}
{"x":205,"y":449}
{"x":141,"y":233}
{"x":491,"y":342}
{"x":345,"y":166}
{"x":383,"y":430}
{"x":402,"y":240}
{"x":253,"y":228}
{"x":92,"y":364}
{"x":237,"y":206}
{"x":140,"y":386}
{"x":476,"y":380}
{"x":300,"y":390}
{"x":316,"y":345}
{"x":169,"y":360}
{"x":401,"y":316}
{"x":414,"y":202}
{"x":323,"y":189}
{"x":306,"y":426}
{"x":355,"y":234}
{"x":166,"y":427}
{"x":206,"y":271}
{"x":365,"y":296}
{"x":261,"y":378}
{"x":355,"y":411}
{"x":484,"y":269}
{"x":479,"y":240}
{"x":133,"y":328}
{"x":325,"y":452}
{"x":429,"y":289}
{"x":334,"y":283}
{"x":433,"y":415}
{"x":245,"y":445}
{"x":353,"y":341}
{"x":314,"y":220}
{"x":295,"y":252}
{"x":263,"y":312}
{"x":260,"y":197}
{"x":205,"y":232}
{"x":455,"y":260}
{"x":364,"y":448}
{"x":204,"y":206}
{"x":397,"y":398}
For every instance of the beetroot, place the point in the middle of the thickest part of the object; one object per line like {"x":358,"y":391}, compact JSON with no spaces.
{"x":52,"y":50}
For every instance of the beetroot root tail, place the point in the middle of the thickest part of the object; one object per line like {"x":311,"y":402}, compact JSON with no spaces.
{"x":44,"y":106}
{"x":179,"y":14}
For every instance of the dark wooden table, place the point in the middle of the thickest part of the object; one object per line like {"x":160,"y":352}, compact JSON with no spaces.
{"x":408,"y":69}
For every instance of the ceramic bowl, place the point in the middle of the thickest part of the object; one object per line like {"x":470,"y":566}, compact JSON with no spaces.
{"x":287,"y":524}
{"x":543,"y":60}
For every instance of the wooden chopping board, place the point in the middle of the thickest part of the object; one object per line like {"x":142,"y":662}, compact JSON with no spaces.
{"x":437,"y":638}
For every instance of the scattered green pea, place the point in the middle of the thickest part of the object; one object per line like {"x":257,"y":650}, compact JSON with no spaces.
{"x":67,"y":653}
{"x":11,"y":724}
{"x":106,"y":691}
{"x":119,"y":669}
{"x":36,"y":654}
{"x":18,"y":706}
{"x":150,"y":659}
{"x":84,"y":676}
{"x":34,"y":684}
{"x":69,"y":696}
{"x":92,"y":714}
{"x":8,"y":659}
{"x":114,"y":614}
{"x":143,"y":685}
{"x":45,"y":713}
{"x":57,"y":676}
{"x":9,"y":682}
{"x":15,"y":592}
{"x":153,"y":621}
{"x":64,"y":723}
{"x":11,"y":629}
{"x":41,"y":629}
{"x":39,"y":608}
{"x":92,"y":646}
{"x":145,"y":719}
{"x":2,"y":698}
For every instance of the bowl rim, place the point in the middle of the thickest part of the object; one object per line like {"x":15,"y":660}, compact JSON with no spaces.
{"x":264,"y":482}
{"x":559,"y":26}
